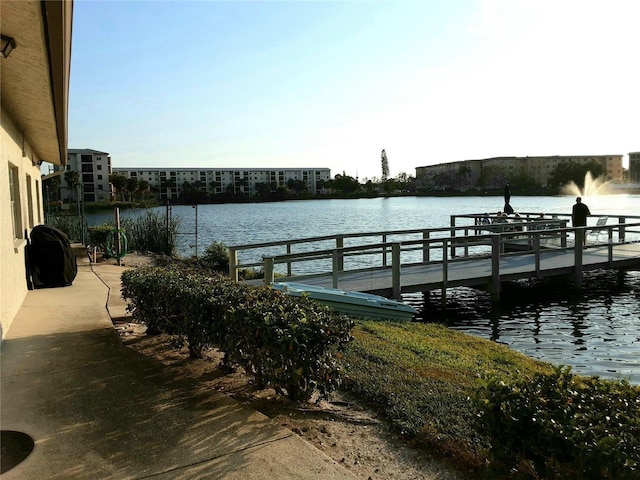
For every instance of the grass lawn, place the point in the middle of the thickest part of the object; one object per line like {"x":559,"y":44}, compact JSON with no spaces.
{"x":422,"y":377}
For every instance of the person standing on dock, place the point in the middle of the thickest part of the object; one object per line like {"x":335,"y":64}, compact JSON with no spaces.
{"x":579,"y":216}
{"x":507,"y":193}
{"x":508,"y":209}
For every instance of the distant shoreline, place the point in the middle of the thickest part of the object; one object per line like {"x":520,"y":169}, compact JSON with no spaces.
{"x":240,"y":200}
{"x":92,"y":207}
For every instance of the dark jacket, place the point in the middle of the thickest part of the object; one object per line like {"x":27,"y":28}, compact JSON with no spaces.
{"x":580,"y":214}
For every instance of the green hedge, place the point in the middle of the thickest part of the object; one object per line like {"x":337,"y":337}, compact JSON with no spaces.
{"x":284,"y":342}
{"x":561,"y":426}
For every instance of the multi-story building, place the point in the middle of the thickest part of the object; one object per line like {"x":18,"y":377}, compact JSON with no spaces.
{"x":634,"y":167}
{"x":169,"y":182}
{"x":93,"y":168}
{"x":539,"y":168}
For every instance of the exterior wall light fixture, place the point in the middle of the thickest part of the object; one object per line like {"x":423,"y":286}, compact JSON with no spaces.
{"x":7,"y":44}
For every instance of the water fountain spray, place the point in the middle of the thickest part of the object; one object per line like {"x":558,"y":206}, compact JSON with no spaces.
{"x":591,"y":187}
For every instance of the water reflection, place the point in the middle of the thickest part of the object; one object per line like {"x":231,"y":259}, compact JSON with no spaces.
{"x":596,"y":330}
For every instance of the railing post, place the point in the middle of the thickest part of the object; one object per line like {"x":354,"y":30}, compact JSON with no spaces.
{"x":268,"y":270}
{"x":621,"y":229}
{"x":289,"y":262}
{"x":445,"y":272}
{"x":536,"y":252}
{"x":577,"y":256}
{"x":425,"y":247}
{"x":335,"y":267}
{"x":233,"y":264}
{"x":452,"y":233}
{"x":384,"y":250}
{"x":495,"y":267}
{"x":339,"y":245}
{"x":466,"y":243}
{"x":395,"y":270}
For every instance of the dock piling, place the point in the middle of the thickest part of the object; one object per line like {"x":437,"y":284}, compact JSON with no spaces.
{"x":495,"y":267}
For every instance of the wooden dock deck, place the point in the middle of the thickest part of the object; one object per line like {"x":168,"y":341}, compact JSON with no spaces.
{"x":479,"y":272}
{"x":454,"y":256}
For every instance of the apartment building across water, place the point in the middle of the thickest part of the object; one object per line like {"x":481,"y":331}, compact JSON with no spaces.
{"x":539,"y":168}
{"x":94,"y":168}
{"x":634,"y":167}
{"x":169,"y":182}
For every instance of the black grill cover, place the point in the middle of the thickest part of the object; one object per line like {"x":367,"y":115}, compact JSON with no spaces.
{"x":51,"y":260}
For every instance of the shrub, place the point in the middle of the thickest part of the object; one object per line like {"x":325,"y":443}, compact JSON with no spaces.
{"x":562,"y":426}
{"x":216,"y":257}
{"x":98,"y":235}
{"x":282,"y":341}
{"x":252,"y":274}
{"x":153,"y":296}
{"x":287,"y":342}
{"x":202,"y":309}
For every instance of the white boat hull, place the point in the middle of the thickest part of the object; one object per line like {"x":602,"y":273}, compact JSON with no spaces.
{"x":354,"y":304}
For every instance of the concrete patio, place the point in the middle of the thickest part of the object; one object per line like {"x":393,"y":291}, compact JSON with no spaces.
{"x":97,"y":409}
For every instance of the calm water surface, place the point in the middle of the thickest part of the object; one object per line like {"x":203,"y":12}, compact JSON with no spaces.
{"x":595,"y":330}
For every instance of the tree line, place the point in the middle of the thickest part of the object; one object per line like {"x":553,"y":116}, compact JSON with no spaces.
{"x":130,"y":189}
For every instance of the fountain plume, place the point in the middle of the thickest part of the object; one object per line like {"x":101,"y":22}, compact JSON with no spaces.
{"x":591,"y":187}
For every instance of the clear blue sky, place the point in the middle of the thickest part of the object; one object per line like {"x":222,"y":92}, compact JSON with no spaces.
{"x":331,"y":84}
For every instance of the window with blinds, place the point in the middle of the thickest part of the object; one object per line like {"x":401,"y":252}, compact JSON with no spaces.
{"x":14,"y":192}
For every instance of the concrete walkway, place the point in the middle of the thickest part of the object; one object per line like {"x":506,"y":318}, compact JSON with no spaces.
{"x":99,"y":410}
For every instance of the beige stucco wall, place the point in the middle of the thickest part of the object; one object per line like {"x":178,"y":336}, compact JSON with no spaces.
{"x":13,"y":285}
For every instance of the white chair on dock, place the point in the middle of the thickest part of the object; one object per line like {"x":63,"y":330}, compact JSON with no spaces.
{"x":596,"y":232}
{"x":544,"y":238}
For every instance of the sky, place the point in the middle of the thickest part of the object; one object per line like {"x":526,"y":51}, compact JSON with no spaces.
{"x":330,"y":84}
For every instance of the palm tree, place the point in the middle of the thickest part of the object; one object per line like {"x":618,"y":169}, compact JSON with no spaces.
{"x":242,"y":183}
{"x":119,"y":183}
{"x":132,"y":186}
{"x":73,"y":180}
{"x":167,"y":184}
{"x":385,"y":166}
{"x":143,"y":187}
{"x":52,"y":186}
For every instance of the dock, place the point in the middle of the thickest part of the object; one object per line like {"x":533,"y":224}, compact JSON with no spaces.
{"x":475,"y":254}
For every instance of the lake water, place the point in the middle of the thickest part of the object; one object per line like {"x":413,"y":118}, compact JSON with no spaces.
{"x":595,"y":330}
